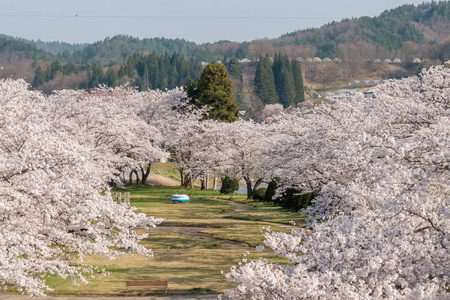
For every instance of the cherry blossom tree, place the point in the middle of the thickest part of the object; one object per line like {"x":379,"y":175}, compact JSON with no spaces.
{"x":55,"y":158}
{"x":235,"y":149}
{"x":380,"y":227}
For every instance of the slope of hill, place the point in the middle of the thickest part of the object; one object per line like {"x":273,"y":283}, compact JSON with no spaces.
{"x":115,"y":50}
{"x":13,"y":49}
{"x":424,"y":26}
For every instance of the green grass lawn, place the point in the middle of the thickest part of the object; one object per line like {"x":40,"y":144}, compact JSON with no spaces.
{"x":191,"y":263}
{"x":168,"y":169}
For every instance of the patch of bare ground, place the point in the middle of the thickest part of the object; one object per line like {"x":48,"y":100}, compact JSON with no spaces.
{"x":159,"y":180}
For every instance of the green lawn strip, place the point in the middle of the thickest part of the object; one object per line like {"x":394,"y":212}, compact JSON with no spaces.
{"x":190,"y":261}
{"x":268,"y":212}
{"x":186,"y":270}
{"x":244,"y":233}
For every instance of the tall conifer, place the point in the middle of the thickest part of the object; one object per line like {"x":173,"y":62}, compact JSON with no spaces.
{"x":265,"y":82}
{"x":298,"y":82}
{"x":287,"y":88}
{"x":215,"y":91}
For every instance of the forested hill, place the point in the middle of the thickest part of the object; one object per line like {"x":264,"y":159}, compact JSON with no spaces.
{"x":13,"y":49}
{"x":424,"y":24}
{"x":427,"y":24}
{"x":115,"y":50}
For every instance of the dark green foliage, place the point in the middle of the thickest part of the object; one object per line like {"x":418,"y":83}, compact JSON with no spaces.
{"x":229,"y":185}
{"x":39,"y":78}
{"x":234,"y":68}
{"x":295,"y":199}
{"x":286,"y":88}
{"x":15,"y":47}
{"x":265,"y":81}
{"x":280,"y":82}
{"x":145,"y":71}
{"x":111,"y":77}
{"x":242,"y":51}
{"x":260,"y":194}
{"x":61,"y":49}
{"x":298,"y":83}
{"x":51,"y":72}
{"x":70,"y":68}
{"x":271,"y":188}
{"x":115,"y":50}
{"x":214,"y":90}
{"x":96,"y":76}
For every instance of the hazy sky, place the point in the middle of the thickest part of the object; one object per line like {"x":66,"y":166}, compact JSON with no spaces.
{"x":77,"y":21}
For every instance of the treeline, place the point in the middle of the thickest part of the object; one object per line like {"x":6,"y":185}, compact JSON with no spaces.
{"x":280,"y":81}
{"x":155,"y":71}
{"x":115,"y":50}
{"x":16,"y":48}
{"x":152,"y":71}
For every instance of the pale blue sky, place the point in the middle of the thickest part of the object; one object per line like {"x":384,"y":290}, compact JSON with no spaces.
{"x":200,"y":21}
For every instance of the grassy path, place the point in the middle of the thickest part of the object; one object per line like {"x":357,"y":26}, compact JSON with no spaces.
{"x":191,"y":247}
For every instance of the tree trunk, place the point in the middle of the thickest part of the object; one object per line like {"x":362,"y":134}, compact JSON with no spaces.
{"x":248,"y":181}
{"x":182,"y":177}
{"x":137,"y":176}
{"x":214,"y":182}
{"x":146,"y":173}
{"x":257,"y":184}
{"x":131,"y":177}
{"x":203,"y":182}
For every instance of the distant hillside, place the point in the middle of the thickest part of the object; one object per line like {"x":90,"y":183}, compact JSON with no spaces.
{"x":358,"y":47}
{"x":422,"y":27}
{"x":13,"y":49}
{"x":61,"y":48}
{"x":115,"y":50}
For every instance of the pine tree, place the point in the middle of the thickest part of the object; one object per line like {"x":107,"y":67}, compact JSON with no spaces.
{"x":234,"y":68}
{"x":215,"y":91}
{"x":265,"y":81}
{"x":298,"y":82}
{"x":280,"y":62}
{"x":111,"y":77}
{"x":39,"y":78}
{"x":287,"y":88}
{"x":96,"y":76}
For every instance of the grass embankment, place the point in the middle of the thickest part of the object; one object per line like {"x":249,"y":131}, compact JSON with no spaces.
{"x":191,"y":246}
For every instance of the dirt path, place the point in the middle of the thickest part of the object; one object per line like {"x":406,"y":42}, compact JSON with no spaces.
{"x":159,"y":180}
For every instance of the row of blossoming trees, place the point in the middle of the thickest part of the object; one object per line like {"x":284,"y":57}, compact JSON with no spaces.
{"x":379,"y":227}
{"x":57,"y":154}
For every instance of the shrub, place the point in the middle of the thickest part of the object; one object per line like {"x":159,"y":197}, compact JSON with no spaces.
{"x":229,"y":186}
{"x":270,"y":191}
{"x":260,"y":194}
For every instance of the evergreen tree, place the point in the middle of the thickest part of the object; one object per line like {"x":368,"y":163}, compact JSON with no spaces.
{"x":280,"y":62}
{"x":96,"y":75}
{"x":276,"y":70}
{"x":215,"y":91}
{"x":287,"y":88}
{"x":265,"y":82}
{"x":242,"y":51}
{"x":111,"y":77}
{"x":39,"y":78}
{"x":234,"y":68}
{"x":298,"y":82}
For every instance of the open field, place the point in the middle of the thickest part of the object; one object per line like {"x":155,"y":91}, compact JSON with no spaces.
{"x":195,"y":242}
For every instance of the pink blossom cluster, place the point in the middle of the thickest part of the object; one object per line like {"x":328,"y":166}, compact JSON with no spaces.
{"x":57,"y":154}
{"x":379,"y":227}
